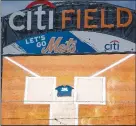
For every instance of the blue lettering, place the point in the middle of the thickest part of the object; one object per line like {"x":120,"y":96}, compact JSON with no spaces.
{"x":111,"y":46}
{"x":107,"y":47}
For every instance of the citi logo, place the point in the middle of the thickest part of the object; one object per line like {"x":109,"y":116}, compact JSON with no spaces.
{"x":29,"y":14}
{"x":112,"y":46}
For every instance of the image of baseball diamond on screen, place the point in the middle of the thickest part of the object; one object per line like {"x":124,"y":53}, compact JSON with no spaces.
{"x":68,"y":62}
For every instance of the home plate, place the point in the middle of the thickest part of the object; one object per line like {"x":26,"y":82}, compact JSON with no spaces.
{"x":63,"y":111}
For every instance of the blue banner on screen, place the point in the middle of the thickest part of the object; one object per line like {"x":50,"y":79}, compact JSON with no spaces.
{"x":55,"y":42}
{"x":70,"y":42}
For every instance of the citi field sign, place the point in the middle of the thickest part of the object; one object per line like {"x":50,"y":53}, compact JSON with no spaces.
{"x":67,"y":28}
{"x":66,"y":17}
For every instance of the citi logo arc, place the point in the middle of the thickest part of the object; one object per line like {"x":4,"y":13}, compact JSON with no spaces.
{"x":42,"y":2}
{"x":112,"y":46}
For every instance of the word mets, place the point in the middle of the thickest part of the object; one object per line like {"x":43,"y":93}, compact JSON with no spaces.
{"x":56,"y":47}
